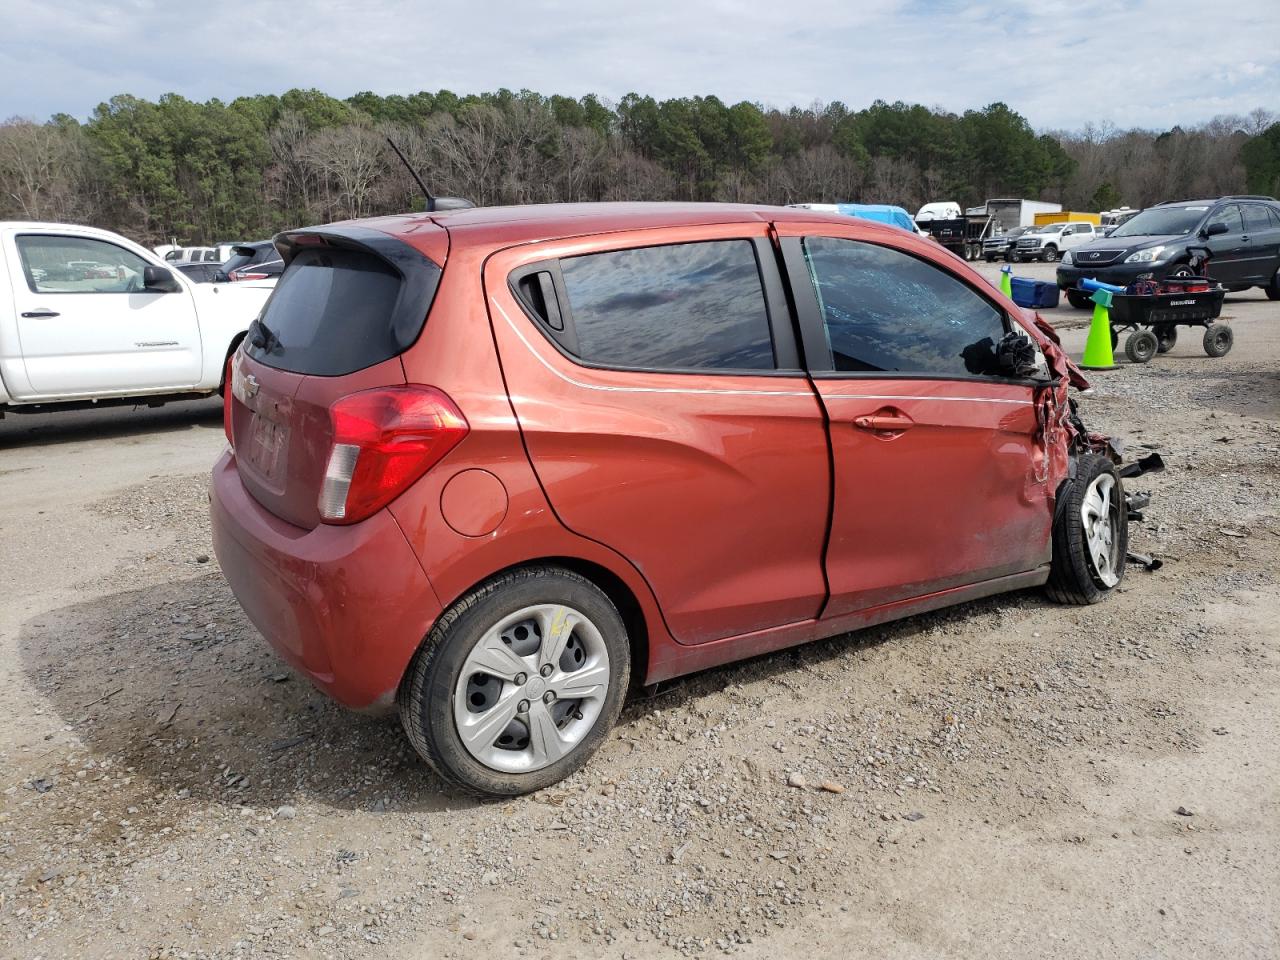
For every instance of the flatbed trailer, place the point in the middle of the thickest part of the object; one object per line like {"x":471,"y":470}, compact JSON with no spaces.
{"x":963,"y":236}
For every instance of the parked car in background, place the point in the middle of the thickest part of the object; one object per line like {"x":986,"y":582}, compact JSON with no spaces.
{"x":1242,"y":234}
{"x":1000,"y":247}
{"x":1047,"y":242}
{"x":491,"y":464}
{"x":90,"y":318}
{"x":194,"y":255}
{"x":200,"y":272}
{"x":253,"y":261}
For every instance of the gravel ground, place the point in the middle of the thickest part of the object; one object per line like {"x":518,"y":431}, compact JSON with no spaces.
{"x":1009,"y":778}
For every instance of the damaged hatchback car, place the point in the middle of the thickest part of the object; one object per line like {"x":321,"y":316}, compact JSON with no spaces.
{"x":495,"y":466}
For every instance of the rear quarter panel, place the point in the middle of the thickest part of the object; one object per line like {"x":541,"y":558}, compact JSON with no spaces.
{"x":223,"y":312}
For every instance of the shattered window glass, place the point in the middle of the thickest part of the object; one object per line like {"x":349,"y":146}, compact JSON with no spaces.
{"x":886,"y":311}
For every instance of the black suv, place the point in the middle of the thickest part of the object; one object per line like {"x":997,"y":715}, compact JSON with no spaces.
{"x":253,"y":261}
{"x":1243,"y":234}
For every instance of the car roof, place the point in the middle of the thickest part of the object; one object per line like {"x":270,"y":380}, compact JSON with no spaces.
{"x":549,"y":221}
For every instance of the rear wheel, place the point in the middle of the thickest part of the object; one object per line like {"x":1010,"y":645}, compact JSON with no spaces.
{"x":1167,"y":334}
{"x":518,"y":683}
{"x":1273,"y":288}
{"x":1090,"y":534}
{"x":1218,"y":339}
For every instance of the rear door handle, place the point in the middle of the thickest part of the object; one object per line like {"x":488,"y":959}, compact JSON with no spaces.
{"x":885,"y":422}
{"x":33,"y":314}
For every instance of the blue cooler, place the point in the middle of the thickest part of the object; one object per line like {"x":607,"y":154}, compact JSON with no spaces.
{"x":1034,"y":293}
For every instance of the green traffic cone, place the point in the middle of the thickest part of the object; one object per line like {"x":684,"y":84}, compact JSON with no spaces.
{"x":1006,"y":281}
{"x":1097,"y":349}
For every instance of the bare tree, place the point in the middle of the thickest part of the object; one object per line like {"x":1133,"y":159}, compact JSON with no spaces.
{"x":349,"y":161}
{"x":40,"y":167}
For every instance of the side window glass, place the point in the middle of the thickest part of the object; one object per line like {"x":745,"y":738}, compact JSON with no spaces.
{"x":1275,"y":218}
{"x":1255,"y":218}
{"x":78,"y":265}
{"x":1230,"y":215}
{"x":678,"y":307}
{"x":887,"y":311}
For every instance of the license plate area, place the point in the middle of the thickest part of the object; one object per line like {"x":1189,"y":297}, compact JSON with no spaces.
{"x":267,"y":451}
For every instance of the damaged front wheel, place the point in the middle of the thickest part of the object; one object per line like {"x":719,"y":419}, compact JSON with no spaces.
{"x":1090,"y":533}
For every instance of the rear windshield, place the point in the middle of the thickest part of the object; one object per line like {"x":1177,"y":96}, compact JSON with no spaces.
{"x":334,"y":312}
{"x":240,"y":257}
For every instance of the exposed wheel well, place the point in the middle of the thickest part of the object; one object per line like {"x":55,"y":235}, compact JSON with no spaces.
{"x":614,"y":588}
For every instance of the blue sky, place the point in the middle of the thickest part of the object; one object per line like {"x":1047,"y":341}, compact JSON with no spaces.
{"x":1061,"y":63}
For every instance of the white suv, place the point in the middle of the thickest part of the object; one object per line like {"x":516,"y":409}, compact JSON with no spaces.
{"x":1047,"y":242}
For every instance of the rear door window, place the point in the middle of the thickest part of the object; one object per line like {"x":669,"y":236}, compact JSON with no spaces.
{"x":887,"y":311}
{"x":693,"y":306}
{"x":1255,"y":218}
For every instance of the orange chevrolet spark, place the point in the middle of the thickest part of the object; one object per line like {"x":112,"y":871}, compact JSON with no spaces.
{"x":493,"y":466}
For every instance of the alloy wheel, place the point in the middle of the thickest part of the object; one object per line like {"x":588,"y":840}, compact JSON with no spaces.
{"x":532,"y":688}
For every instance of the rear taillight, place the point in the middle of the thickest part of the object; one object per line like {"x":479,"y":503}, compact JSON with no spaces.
{"x":383,"y":441}
{"x":241,"y":275}
{"x":228,"y":397}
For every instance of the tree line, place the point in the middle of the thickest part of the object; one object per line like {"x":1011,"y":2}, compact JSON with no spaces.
{"x":214,"y":171}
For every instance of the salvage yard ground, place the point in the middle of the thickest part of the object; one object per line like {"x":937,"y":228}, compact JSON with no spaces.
{"x":1006,"y":779}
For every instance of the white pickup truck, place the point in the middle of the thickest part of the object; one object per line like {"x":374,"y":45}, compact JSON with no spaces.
{"x":90,"y":318}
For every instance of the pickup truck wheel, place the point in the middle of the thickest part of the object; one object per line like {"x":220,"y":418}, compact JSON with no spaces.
{"x":1090,"y":534}
{"x":1012,"y":257}
{"x":1050,"y":254}
{"x":518,"y":683}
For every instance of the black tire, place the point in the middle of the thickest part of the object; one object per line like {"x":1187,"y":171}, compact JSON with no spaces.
{"x":426,"y":694}
{"x":1012,"y":257}
{"x":1079,"y":299}
{"x":1272,"y":289}
{"x":1167,"y":334}
{"x":1218,"y":339}
{"x":1074,"y":576}
{"x":990,"y":257}
{"x":1050,"y":254}
{"x":1141,"y":346}
{"x":1181,"y":271}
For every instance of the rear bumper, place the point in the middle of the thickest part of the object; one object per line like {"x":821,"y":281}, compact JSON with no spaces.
{"x":347,"y":607}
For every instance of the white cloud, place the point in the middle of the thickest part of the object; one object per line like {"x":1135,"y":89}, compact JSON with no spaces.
{"x":1058,"y":62}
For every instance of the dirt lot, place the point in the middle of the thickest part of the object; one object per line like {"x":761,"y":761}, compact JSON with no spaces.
{"x":1007,"y":779}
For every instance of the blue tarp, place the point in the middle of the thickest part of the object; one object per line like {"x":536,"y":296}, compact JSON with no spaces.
{"x":879,"y":212}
